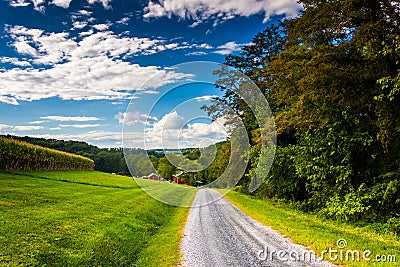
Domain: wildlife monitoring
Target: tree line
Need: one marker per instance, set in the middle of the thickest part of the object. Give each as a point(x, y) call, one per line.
point(332, 79)
point(137, 162)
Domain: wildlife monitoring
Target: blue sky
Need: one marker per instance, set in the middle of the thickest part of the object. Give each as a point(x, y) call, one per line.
point(69, 68)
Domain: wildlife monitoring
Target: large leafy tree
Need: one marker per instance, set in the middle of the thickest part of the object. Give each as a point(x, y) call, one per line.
point(326, 90)
point(252, 61)
point(165, 168)
point(332, 77)
point(332, 60)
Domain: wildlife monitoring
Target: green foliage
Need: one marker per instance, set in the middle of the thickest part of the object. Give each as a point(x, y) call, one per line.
point(351, 207)
point(334, 160)
point(165, 168)
point(387, 99)
point(385, 196)
point(219, 165)
point(15, 155)
point(332, 78)
point(140, 165)
point(283, 180)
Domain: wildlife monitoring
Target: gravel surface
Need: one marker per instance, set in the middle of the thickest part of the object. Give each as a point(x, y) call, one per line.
point(219, 234)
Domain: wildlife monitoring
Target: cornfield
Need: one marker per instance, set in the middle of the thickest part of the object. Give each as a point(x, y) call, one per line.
point(16, 156)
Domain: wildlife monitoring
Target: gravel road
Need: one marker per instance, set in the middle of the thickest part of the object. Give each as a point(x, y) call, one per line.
point(219, 234)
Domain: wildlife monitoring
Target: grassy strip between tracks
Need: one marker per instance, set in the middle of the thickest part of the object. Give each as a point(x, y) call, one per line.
point(321, 235)
point(85, 218)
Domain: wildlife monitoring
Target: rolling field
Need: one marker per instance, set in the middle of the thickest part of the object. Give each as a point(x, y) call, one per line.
point(81, 218)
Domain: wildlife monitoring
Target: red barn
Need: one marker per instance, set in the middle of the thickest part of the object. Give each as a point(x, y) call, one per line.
point(154, 177)
point(179, 181)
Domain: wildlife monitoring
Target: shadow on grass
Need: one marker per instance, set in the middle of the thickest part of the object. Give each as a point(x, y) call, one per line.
point(135, 186)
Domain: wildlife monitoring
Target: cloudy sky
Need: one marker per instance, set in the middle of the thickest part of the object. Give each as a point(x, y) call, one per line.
point(69, 68)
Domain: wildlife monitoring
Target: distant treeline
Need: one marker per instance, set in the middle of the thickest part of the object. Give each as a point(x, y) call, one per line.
point(16, 155)
point(112, 160)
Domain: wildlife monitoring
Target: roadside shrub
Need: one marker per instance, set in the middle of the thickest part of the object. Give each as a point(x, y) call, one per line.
point(351, 207)
point(385, 196)
point(283, 180)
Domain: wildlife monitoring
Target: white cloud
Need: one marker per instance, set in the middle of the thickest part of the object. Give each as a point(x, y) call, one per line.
point(118, 103)
point(39, 5)
point(172, 46)
point(55, 129)
point(87, 33)
point(123, 20)
point(195, 24)
point(15, 61)
point(84, 12)
point(196, 53)
point(219, 10)
point(87, 136)
point(8, 100)
point(19, 3)
point(37, 122)
point(170, 121)
point(5, 128)
point(101, 27)
point(131, 118)
point(87, 79)
point(199, 131)
point(41, 45)
point(89, 69)
point(28, 128)
point(61, 3)
point(79, 25)
point(205, 46)
point(65, 118)
point(9, 128)
point(23, 47)
point(81, 126)
point(105, 3)
point(81, 15)
point(228, 48)
point(51, 48)
point(204, 98)
point(172, 131)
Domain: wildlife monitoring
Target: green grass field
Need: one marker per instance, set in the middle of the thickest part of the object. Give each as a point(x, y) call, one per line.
point(319, 234)
point(81, 218)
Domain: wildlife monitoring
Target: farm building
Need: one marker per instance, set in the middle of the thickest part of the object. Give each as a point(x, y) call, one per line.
point(178, 179)
point(153, 176)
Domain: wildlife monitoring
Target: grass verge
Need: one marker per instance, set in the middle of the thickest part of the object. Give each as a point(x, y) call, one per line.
point(81, 218)
point(318, 234)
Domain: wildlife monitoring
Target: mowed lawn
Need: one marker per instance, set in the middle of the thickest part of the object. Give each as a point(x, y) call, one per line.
point(81, 218)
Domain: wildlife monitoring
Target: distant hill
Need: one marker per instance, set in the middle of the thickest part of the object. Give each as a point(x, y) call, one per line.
point(17, 155)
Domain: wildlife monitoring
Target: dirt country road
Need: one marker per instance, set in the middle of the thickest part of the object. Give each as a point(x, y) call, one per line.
point(219, 234)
